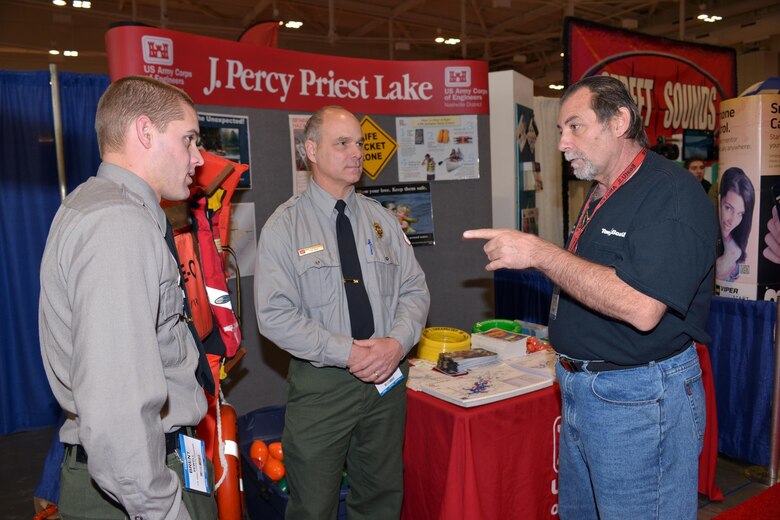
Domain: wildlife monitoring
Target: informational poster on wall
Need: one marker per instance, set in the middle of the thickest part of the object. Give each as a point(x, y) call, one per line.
point(529, 221)
point(437, 148)
point(529, 177)
point(300, 165)
point(227, 135)
point(242, 239)
point(411, 204)
point(526, 133)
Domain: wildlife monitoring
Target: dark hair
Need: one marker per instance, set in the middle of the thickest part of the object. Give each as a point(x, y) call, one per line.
point(687, 163)
point(734, 179)
point(609, 96)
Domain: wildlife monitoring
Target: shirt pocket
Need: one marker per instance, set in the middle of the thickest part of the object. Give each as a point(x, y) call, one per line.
point(319, 274)
point(171, 328)
point(610, 252)
point(383, 266)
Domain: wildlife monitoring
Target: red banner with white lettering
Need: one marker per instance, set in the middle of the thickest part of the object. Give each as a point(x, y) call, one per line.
point(677, 86)
point(226, 73)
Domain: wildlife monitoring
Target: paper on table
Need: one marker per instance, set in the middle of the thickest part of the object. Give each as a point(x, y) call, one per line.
point(542, 362)
point(482, 385)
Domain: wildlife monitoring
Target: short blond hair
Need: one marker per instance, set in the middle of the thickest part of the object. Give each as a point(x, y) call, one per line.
point(131, 97)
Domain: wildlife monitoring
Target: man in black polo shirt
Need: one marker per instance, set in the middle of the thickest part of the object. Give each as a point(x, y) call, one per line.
point(633, 290)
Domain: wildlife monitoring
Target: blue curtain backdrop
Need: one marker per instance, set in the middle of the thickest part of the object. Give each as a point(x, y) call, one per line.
point(29, 197)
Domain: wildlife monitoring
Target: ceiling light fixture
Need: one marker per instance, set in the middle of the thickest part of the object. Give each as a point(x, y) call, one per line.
point(704, 17)
point(59, 3)
point(562, 55)
point(72, 54)
point(293, 24)
point(710, 18)
point(82, 4)
point(555, 86)
point(54, 52)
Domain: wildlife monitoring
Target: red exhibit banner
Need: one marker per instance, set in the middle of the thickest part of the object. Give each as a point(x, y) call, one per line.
point(226, 73)
point(677, 86)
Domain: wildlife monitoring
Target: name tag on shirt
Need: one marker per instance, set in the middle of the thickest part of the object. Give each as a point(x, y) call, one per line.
point(385, 387)
point(193, 456)
point(311, 249)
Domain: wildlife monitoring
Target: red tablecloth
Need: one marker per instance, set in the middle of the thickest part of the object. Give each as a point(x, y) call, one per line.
point(499, 460)
point(492, 461)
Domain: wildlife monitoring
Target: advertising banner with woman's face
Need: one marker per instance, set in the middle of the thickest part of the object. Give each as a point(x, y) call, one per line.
point(748, 263)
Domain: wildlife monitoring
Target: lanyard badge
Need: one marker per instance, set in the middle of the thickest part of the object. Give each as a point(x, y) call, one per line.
point(193, 457)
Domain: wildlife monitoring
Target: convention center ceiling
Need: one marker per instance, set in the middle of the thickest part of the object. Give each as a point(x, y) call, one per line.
point(524, 35)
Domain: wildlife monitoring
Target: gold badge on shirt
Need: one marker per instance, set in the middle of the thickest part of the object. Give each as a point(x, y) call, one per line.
point(311, 249)
point(378, 229)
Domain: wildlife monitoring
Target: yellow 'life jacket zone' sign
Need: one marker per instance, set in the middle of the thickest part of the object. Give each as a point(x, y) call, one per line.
point(378, 147)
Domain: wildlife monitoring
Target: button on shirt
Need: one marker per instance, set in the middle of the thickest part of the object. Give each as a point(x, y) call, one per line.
point(299, 296)
point(118, 357)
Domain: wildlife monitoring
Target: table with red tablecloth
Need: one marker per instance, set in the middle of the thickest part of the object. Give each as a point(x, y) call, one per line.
point(500, 460)
point(492, 461)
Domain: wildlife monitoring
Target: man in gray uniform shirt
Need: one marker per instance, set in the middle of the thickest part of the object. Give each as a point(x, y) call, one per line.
point(118, 355)
point(341, 406)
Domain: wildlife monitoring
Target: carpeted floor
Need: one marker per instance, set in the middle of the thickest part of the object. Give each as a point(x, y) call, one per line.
point(764, 506)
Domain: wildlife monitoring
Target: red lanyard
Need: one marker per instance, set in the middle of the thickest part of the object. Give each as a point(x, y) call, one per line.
point(583, 222)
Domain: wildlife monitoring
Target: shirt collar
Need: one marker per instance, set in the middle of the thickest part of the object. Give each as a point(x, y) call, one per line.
point(327, 202)
point(138, 188)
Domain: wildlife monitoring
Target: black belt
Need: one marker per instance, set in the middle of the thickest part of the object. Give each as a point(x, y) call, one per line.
point(171, 443)
point(579, 365)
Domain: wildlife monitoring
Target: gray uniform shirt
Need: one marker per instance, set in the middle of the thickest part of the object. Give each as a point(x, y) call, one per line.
point(299, 291)
point(119, 359)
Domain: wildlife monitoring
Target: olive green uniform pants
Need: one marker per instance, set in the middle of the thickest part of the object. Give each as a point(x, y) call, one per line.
point(82, 498)
point(332, 418)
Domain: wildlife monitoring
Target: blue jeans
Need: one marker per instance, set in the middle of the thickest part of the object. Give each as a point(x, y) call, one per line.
point(630, 441)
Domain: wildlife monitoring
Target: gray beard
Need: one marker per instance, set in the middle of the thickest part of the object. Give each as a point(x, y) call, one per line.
point(587, 172)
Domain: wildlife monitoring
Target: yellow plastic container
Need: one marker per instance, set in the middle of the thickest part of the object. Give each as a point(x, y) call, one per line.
point(435, 340)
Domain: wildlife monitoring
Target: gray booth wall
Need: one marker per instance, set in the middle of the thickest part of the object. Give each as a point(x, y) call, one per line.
point(461, 289)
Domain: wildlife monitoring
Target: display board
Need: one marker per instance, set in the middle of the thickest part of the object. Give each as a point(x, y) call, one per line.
point(267, 86)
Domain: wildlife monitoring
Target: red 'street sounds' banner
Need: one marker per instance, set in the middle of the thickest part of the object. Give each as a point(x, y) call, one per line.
point(677, 85)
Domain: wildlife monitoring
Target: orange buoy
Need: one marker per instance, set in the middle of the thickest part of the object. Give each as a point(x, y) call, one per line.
point(230, 500)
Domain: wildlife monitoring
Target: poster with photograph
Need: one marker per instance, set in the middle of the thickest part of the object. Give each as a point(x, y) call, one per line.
point(440, 148)
point(411, 204)
point(227, 135)
point(242, 239)
point(529, 221)
point(300, 165)
point(526, 133)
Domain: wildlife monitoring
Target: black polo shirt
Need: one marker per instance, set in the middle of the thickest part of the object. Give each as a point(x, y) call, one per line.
point(658, 231)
